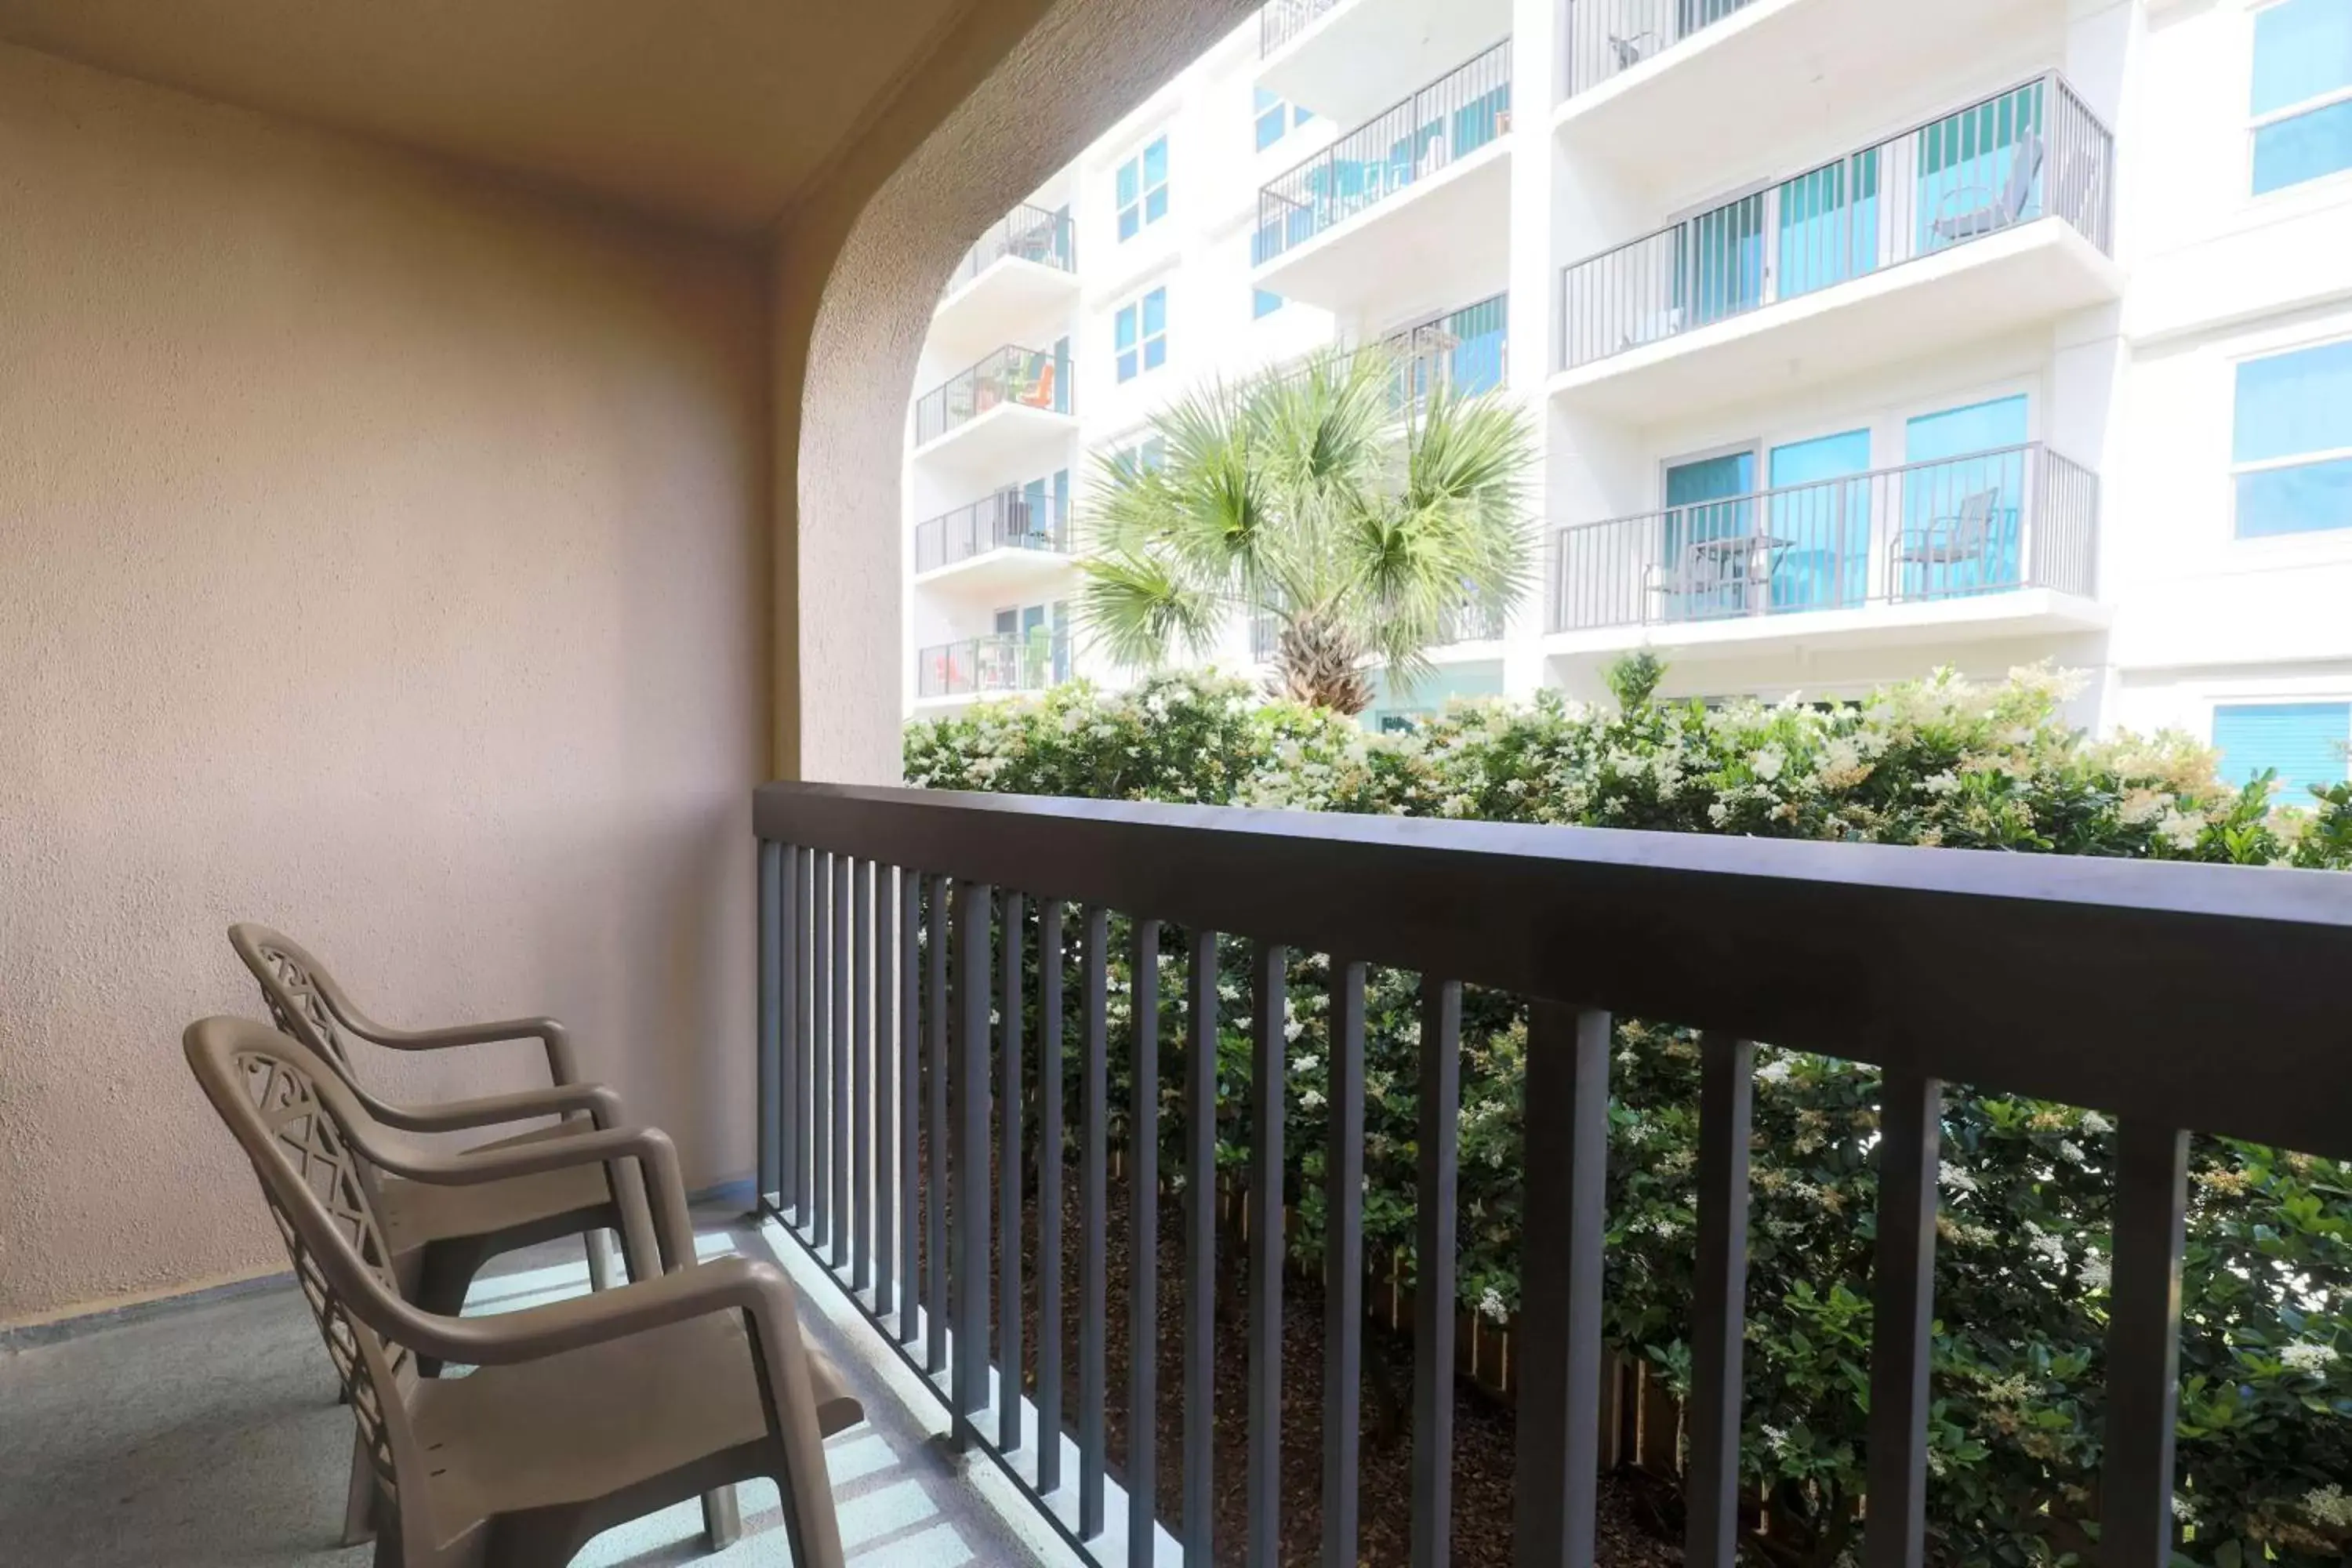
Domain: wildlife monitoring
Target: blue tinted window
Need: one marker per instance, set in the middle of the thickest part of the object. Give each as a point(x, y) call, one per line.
point(1958, 432)
point(2303, 741)
point(1273, 119)
point(1142, 188)
point(1140, 335)
point(2302, 49)
point(1123, 333)
point(1263, 303)
point(2290, 152)
point(2292, 442)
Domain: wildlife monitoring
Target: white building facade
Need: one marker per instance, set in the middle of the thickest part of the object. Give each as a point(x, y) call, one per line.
point(1863, 336)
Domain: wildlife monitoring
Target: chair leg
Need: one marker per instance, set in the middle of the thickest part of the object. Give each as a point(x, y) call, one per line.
point(359, 1501)
point(600, 1260)
point(722, 1519)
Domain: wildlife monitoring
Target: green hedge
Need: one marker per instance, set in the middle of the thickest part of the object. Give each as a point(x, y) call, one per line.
point(2266, 1436)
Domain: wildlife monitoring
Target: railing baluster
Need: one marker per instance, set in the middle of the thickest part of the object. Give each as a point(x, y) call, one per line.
point(1903, 1290)
point(1343, 1265)
point(861, 1069)
point(1267, 1255)
point(884, 1047)
point(1440, 1137)
point(1567, 1171)
point(776, 1082)
point(1094, 1220)
point(2143, 1346)
point(1201, 1250)
point(910, 1101)
point(967, 1160)
point(803, 965)
point(1009, 1179)
point(1143, 1249)
point(1718, 1311)
point(842, 936)
point(823, 1085)
point(1049, 1196)
point(935, 1191)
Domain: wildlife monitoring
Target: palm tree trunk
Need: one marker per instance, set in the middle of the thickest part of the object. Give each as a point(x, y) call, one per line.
point(1319, 662)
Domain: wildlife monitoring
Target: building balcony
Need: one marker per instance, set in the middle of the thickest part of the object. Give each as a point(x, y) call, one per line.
point(1014, 402)
point(1349, 59)
point(1006, 538)
point(1655, 86)
point(997, 666)
point(1021, 276)
point(1995, 542)
point(1409, 208)
point(1466, 349)
point(1983, 220)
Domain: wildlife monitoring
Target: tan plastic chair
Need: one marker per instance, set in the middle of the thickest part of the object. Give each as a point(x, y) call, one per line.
point(579, 1415)
point(441, 1237)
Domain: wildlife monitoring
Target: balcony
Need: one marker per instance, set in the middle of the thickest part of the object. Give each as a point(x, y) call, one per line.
point(1466, 349)
point(990, 1018)
point(1655, 86)
point(1983, 220)
point(1411, 207)
point(998, 666)
point(1008, 538)
point(1021, 276)
point(1995, 542)
point(1349, 59)
point(1015, 401)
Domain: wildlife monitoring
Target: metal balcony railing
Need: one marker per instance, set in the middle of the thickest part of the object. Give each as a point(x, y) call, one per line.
point(1468, 350)
point(2032, 153)
point(1606, 36)
point(1029, 378)
point(1007, 520)
point(1030, 233)
point(2019, 517)
point(992, 666)
point(1472, 622)
point(1449, 118)
point(905, 990)
point(1279, 21)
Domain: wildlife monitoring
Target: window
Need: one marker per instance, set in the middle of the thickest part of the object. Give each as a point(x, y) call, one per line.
point(1263, 303)
point(2303, 741)
point(2292, 455)
point(1143, 188)
point(1140, 333)
point(1274, 119)
point(2302, 101)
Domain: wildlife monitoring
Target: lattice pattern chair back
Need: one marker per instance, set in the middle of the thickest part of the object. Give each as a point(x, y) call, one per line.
point(289, 1112)
point(299, 995)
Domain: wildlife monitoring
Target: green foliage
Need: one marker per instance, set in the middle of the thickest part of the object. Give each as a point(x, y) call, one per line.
point(2022, 1267)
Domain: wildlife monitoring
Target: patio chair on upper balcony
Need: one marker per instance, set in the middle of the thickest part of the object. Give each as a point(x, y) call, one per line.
point(1696, 587)
point(578, 1416)
point(1633, 49)
point(1969, 212)
point(1941, 542)
point(441, 1237)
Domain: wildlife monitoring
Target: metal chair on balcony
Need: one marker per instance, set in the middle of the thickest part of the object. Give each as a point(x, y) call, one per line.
point(1940, 543)
point(1969, 212)
point(1701, 582)
point(579, 1417)
point(1633, 49)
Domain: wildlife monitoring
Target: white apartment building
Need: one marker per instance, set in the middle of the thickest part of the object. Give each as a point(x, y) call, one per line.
point(1863, 336)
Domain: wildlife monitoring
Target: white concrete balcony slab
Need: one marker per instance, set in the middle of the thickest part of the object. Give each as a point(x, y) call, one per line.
point(1012, 407)
point(1349, 59)
point(2014, 613)
point(1655, 86)
point(1444, 238)
point(1988, 219)
point(1012, 293)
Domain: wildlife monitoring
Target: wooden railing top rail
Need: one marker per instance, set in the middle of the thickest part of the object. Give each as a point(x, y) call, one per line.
point(2195, 996)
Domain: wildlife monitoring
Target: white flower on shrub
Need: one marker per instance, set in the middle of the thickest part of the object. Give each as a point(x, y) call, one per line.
point(2050, 1250)
point(2181, 829)
point(1942, 784)
point(1718, 814)
point(2315, 1359)
point(1312, 1099)
point(2184, 1508)
point(2329, 1506)
point(2097, 1124)
point(2070, 1151)
point(1952, 1176)
point(1777, 1072)
point(1768, 763)
point(1490, 1306)
point(1306, 1063)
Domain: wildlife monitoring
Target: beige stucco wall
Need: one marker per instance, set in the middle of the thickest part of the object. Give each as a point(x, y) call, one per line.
point(382, 555)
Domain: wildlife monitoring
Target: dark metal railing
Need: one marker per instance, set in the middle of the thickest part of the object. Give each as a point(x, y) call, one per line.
point(894, 944)
point(1030, 378)
point(1279, 21)
point(991, 666)
point(1990, 522)
point(1468, 350)
point(1006, 520)
point(1607, 36)
point(1030, 233)
point(2032, 153)
point(1449, 118)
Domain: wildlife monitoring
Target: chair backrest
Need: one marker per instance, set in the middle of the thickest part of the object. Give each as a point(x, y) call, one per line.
point(293, 1117)
point(2023, 168)
point(302, 997)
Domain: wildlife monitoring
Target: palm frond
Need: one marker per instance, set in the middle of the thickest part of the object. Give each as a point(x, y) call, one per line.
point(1138, 610)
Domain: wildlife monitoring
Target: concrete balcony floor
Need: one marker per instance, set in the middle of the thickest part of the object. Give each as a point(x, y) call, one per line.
point(208, 1434)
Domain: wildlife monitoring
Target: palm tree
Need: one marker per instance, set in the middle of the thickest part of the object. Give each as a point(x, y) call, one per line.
point(1359, 519)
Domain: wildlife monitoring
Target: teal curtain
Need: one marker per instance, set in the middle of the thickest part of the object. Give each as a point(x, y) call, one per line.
point(1956, 459)
point(1719, 262)
point(1709, 499)
point(1824, 513)
point(1828, 225)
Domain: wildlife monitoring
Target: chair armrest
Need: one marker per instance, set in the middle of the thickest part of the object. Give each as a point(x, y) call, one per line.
point(655, 1155)
point(562, 1066)
point(503, 1339)
point(602, 1104)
